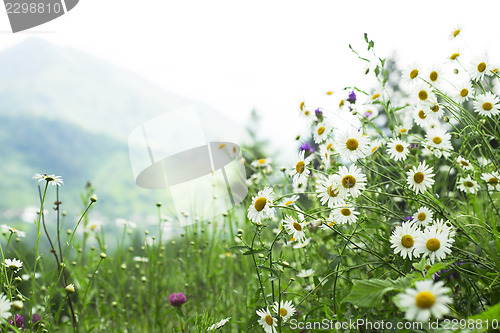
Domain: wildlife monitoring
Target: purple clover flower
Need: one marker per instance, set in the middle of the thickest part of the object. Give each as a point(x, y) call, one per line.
point(17, 321)
point(177, 299)
point(408, 218)
point(319, 114)
point(352, 97)
point(438, 276)
point(309, 148)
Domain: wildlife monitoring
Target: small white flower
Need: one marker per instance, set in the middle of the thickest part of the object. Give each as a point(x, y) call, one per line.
point(398, 149)
point(423, 94)
point(13, 264)
point(261, 205)
point(301, 173)
point(403, 239)
point(284, 309)
point(420, 178)
point(218, 325)
point(455, 32)
point(435, 76)
point(321, 132)
point(267, 322)
point(425, 300)
point(329, 191)
point(412, 74)
point(352, 144)
point(493, 180)
point(305, 273)
point(352, 181)
point(5, 305)
point(262, 162)
point(442, 226)
point(295, 228)
point(465, 164)
point(487, 105)
point(479, 67)
point(468, 185)
point(463, 91)
point(345, 214)
point(439, 142)
point(52, 179)
point(423, 216)
point(433, 244)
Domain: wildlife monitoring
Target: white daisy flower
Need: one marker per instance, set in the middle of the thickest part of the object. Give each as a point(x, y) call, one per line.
point(405, 127)
point(352, 144)
point(423, 94)
point(345, 214)
point(479, 67)
point(455, 32)
point(5, 305)
point(300, 173)
point(420, 117)
point(261, 205)
point(493, 180)
point(398, 149)
point(487, 105)
point(13, 264)
point(369, 111)
point(483, 161)
point(290, 201)
point(328, 191)
point(262, 162)
point(352, 181)
point(433, 109)
point(321, 132)
point(442, 226)
point(284, 309)
point(295, 228)
point(433, 244)
point(218, 325)
point(423, 216)
point(403, 239)
point(307, 113)
point(420, 178)
point(468, 185)
point(439, 142)
point(375, 145)
point(327, 225)
point(425, 300)
point(52, 179)
point(465, 164)
point(455, 55)
point(463, 90)
point(411, 75)
point(306, 273)
point(435, 75)
point(267, 321)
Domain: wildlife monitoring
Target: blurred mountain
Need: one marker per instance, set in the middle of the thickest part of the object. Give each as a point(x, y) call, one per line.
point(65, 112)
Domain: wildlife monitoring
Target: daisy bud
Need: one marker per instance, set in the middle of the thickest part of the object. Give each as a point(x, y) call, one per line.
point(103, 255)
point(456, 136)
point(17, 279)
point(144, 279)
point(283, 169)
point(446, 119)
point(261, 255)
point(455, 71)
point(17, 305)
point(285, 263)
point(113, 304)
point(158, 204)
point(123, 266)
point(93, 198)
point(70, 288)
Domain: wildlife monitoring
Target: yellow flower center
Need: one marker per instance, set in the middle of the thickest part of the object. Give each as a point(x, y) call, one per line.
point(413, 73)
point(422, 95)
point(421, 114)
point(425, 299)
point(352, 144)
point(260, 203)
point(481, 67)
point(297, 226)
point(487, 106)
point(454, 56)
point(262, 161)
point(269, 320)
point(407, 241)
point(433, 76)
point(493, 181)
point(222, 145)
point(374, 148)
point(321, 130)
point(421, 216)
point(345, 211)
point(333, 192)
point(329, 92)
point(374, 97)
point(437, 140)
point(300, 167)
point(456, 32)
point(399, 148)
point(302, 105)
point(434, 108)
point(341, 104)
point(418, 177)
point(283, 312)
point(348, 181)
point(468, 183)
point(433, 244)
point(464, 92)
point(464, 163)
point(329, 146)
point(403, 130)
point(307, 113)
point(288, 203)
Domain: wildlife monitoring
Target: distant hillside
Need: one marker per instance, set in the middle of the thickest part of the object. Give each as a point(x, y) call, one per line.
point(65, 112)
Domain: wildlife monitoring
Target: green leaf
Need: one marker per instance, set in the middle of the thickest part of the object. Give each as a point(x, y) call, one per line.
point(437, 267)
point(239, 247)
point(273, 272)
point(487, 317)
point(333, 264)
point(369, 293)
point(247, 253)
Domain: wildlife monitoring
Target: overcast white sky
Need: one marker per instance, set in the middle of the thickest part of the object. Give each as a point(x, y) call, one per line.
point(267, 55)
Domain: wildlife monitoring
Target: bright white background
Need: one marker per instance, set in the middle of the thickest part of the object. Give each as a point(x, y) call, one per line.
point(267, 55)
